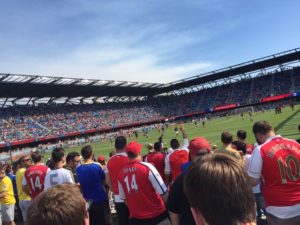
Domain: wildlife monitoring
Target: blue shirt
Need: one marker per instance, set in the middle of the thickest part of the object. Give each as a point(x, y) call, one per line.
point(13, 180)
point(185, 166)
point(90, 177)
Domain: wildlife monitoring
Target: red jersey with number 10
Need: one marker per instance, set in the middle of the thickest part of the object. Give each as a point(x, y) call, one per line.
point(141, 185)
point(281, 172)
point(35, 178)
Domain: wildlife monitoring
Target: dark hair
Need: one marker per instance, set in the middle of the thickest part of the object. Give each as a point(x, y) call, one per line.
point(58, 206)
point(87, 152)
point(227, 190)
point(241, 134)
point(8, 168)
point(58, 155)
point(240, 146)
point(36, 157)
point(299, 127)
point(120, 142)
point(262, 127)
point(174, 143)
point(226, 137)
point(71, 156)
point(50, 163)
point(131, 155)
point(157, 146)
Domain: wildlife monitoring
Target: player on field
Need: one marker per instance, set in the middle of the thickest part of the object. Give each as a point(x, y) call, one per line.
point(157, 159)
point(34, 178)
point(242, 136)
point(24, 198)
point(178, 206)
point(277, 161)
point(227, 139)
point(7, 199)
point(91, 177)
point(175, 159)
point(58, 175)
point(217, 188)
point(114, 166)
point(143, 189)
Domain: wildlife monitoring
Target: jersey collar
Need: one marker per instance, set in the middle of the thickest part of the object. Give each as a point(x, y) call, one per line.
point(272, 138)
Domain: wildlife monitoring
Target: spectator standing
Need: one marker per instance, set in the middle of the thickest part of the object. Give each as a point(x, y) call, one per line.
point(277, 161)
point(72, 161)
point(143, 189)
point(242, 136)
point(114, 166)
point(91, 178)
point(7, 199)
point(227, 139)
point(59, 175)
point(218, 190)
point(24, 198)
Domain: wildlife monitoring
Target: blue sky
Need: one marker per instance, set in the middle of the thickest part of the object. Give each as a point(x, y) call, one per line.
point(141, 40)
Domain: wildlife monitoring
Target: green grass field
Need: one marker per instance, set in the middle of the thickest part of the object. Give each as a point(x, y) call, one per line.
point(285, 124)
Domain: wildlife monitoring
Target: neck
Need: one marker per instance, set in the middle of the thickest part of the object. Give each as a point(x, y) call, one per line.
point(59, 165)
point(120, 150)
point(38, 163)
point(90, 160)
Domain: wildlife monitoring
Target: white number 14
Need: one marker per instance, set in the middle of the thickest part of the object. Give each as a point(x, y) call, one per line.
point(133, 184)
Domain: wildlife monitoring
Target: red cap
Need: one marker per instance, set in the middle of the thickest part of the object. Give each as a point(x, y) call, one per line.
point(199, 145)
point(101, 158)
point(134, 147)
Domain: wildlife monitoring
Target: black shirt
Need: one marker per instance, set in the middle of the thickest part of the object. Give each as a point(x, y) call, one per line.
point(177, 202)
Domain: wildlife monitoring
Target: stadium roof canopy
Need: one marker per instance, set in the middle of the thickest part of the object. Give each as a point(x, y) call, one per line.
point(32, 88)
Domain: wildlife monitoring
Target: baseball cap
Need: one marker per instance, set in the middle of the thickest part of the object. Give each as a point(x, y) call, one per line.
point(101, 158)
point(134, 147)
point(199, 145)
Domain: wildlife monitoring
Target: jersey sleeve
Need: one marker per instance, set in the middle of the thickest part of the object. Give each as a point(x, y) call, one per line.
point(185, 144)
point(156, 180)
point(167, 164)
point(69, 177)
point(255, 164)
point(121, 191)
point(24, 182)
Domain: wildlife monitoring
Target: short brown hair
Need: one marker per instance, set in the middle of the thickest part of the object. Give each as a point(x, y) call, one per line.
point(87, 152)
point(217, 185)
point(226, 137)
point(61, 204)
point(262, 127)
point(36, 157)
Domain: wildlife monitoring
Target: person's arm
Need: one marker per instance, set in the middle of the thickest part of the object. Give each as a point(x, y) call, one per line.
point(157, 182)
point(175, 219)
point(185, 141)
point(255, 167)
point(107, 180)
point(168, 170)
point(25, 187)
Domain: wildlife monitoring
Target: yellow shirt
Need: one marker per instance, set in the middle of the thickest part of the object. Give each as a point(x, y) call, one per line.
point(19, 176)
point(230, 151)
point(6, 186)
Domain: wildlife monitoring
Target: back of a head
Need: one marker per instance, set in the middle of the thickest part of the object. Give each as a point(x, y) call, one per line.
point(61, 205)
point(174, 143)
point(71, 156)
point(36, 157)
point(226, 137)
point(58, 155)
point(87, 152)
point(157, 146)
point(226, 198)
point(241, 134)
point(240, 146)
point(120, 142)
point(262, 127)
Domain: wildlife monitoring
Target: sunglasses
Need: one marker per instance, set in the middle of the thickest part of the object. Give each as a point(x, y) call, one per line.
point(76, 161)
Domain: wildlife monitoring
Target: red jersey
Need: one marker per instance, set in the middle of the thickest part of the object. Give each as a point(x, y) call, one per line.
point(141, 185)
point(174, 161)
point(157, 159)
point(279, 160)
point(35, 178)
point(250, 149)
point(114, 166)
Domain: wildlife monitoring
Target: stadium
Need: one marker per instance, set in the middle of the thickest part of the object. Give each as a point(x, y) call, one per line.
point(149, 112)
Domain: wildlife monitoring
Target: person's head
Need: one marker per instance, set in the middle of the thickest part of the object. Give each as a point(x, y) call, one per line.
point(120, 143)
point(174, 143)
point(87, 152)
point(36, 157)
point(8, 168)
point(219, 192)
point(61, 204)
point(73, 159)
point(58, 155)
point(101, 160)
point(150, 147)
point(157, 146)
point(2, 172)
point(240, 146)
point(226, 138)
point(241, 135)
point(199, 146)
point(134, 150)
point(111, 154)
point(25, 161)
point(262, 131)
point(15, 166)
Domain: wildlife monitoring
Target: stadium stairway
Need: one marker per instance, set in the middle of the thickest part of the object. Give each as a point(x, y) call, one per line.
point(289, 127)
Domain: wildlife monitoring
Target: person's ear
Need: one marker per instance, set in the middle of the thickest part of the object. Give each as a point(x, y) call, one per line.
point(199, 220)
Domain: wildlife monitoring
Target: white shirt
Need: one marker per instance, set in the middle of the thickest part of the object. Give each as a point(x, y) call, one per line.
point(58, 176)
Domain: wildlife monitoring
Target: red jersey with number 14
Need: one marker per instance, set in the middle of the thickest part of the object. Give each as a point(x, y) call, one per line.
point(35, 178)
point(141, 185)
point(281, 171)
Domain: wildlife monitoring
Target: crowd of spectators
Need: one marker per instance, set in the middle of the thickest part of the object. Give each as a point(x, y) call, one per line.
point(29, 122)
